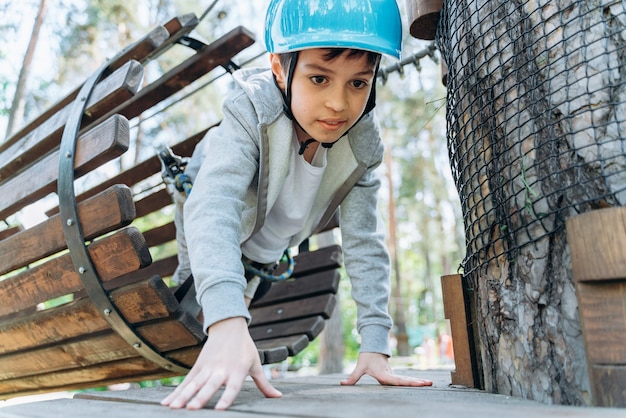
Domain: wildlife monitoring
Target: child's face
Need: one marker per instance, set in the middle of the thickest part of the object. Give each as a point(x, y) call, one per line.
point(327, 97)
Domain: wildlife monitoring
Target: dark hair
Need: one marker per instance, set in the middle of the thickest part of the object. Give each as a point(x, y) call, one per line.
point(373, 58)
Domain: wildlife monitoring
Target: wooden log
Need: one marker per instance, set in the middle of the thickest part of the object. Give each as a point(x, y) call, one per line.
point(103, 213)
point(152, 45)
point(140, 302)
point(5, 233)
point(424, 17)
point(113, 256)
point(317, 305)
point(120, 86)
point(101, 144)
point(454, 309)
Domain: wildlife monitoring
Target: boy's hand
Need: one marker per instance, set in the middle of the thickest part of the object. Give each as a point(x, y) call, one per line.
point(228, 356)
point(377, 366)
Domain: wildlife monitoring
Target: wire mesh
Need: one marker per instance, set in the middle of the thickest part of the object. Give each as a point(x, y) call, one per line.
point(536, 116)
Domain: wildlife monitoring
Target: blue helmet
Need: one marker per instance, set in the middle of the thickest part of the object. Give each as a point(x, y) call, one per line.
point(370, 25)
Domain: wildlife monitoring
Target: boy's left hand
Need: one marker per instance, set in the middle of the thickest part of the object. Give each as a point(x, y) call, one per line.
point(377, 366)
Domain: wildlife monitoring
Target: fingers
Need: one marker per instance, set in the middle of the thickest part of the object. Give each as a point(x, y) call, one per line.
point(354, 377)
point(399, 380)
point(258, 375)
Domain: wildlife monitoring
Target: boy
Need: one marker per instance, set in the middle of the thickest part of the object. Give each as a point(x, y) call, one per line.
point(297, 143)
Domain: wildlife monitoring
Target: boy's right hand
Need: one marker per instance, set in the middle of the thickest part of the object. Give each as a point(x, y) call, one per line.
point(228, 356)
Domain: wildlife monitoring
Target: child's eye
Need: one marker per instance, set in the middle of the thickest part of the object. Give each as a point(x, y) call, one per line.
point(359, 84)
point(318, 79)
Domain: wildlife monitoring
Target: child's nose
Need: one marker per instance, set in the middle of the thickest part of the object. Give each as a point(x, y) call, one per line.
point(337, 100)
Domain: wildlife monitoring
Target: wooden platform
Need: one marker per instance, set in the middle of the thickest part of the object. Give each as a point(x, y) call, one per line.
point(315, 396)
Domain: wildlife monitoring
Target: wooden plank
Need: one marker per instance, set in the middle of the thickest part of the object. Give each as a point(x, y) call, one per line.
point(311, 327)
point(106, 141)
point(602, 308)
point(99, 348)
point(597, 240)
point(163, 268)
point(113, 256)
point(294, 344)
point(140, 302)
point(608, 385)
point(142, 51)
point(5, 233)
point(318, 305)
point(301, 287)
point(213, 55)
point(140, 172)
point(311, 262)
point(120, 86)
point(454, 311)
point(271, 355)
point(160, 235)
point(103, 213)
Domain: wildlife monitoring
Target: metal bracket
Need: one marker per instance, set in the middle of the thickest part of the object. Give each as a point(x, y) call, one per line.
point(197, 45)
point(75, 239)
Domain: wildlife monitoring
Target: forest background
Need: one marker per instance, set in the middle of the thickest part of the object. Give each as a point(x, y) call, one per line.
point(48, 48)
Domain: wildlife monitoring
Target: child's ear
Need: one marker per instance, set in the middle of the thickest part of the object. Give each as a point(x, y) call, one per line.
point(277, 69)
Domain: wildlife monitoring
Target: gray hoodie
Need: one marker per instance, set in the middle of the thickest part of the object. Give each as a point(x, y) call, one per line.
point(242, 165)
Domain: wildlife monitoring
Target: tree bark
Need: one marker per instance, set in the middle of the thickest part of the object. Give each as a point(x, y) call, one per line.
point(16, 113)
point(535, 97)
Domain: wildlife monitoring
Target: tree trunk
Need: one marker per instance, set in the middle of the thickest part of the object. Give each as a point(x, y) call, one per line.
point(331, 342)
point(535, 111)
point(402, 338)
point(16, 113)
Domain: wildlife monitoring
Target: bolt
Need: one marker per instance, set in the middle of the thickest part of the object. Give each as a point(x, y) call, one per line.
point(82, 270)
point(279, 311)
point(107, 312)
point(137, 345)
point(70, 222)
point(68, 154)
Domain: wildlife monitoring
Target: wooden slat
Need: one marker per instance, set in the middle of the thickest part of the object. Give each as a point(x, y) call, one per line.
point(322, 259)
point(213, 55)
point(5, 233)
point(602, 308)
point(271, 355)
point(163, 268)
point(303, 286)
point(145, 301)
point(311, 327)
point(45, 137)
point(294, 344)
point(100, 348)
point(103, 213)
point(140, 172)
point(127, 370)
point(318, 305)
point(454, 311)
point(610, 385)
point(160, 234)
point(143, 50)
point(113, 257)
point(597, 240)
point(101, 144)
